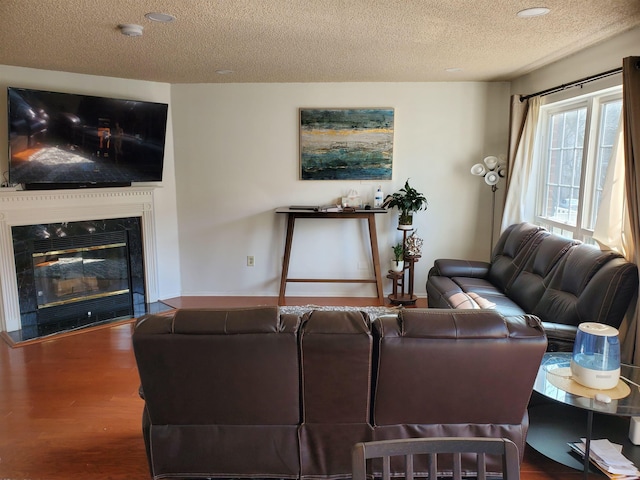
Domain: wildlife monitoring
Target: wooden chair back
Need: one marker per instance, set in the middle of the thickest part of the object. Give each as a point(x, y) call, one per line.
point(432, 447)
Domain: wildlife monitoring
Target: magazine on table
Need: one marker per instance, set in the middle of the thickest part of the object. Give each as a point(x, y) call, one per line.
point(608, 458)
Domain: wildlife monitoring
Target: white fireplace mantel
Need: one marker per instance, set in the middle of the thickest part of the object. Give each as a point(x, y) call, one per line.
point(59, 206)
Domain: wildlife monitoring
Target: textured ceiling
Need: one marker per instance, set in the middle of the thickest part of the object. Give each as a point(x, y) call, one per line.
point(305, 40)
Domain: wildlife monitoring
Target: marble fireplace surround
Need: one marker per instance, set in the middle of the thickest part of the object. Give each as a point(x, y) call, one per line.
point(56, 206)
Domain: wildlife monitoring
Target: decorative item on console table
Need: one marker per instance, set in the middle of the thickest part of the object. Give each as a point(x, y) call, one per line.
point(407, 200)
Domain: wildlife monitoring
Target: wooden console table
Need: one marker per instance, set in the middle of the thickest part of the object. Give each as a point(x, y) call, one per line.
point(369, 215)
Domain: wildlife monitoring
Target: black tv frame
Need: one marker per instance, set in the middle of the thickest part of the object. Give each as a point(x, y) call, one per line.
point(62, 140)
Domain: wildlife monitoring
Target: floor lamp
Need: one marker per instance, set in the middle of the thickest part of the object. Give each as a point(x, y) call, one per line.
point(492, 169)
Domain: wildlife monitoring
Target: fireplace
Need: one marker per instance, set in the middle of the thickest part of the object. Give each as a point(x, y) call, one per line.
point(62, 237)
point(75, 274)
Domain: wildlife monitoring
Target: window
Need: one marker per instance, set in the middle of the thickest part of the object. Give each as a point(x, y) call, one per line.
point(575, 142)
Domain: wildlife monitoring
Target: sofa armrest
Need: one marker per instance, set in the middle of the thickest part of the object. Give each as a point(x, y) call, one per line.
point(447, 267)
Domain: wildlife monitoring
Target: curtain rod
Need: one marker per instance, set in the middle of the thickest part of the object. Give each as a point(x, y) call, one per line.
point(575, 83)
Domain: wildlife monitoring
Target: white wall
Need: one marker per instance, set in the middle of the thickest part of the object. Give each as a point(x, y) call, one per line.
point(164, 195)
point(236, 150)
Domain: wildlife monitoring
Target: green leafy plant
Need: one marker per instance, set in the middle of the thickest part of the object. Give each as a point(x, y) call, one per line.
point(407, 200)
point(398, 252)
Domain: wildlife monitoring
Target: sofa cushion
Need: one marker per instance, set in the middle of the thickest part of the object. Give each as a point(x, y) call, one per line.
point(487, 295)
point(449, 325)
point(443, 292)
point(589, 285)
point(251, 378)
point(460, 268)
point(217, 385)
point(220, 321)
point(560, 336)
point(470, 356)
point(511, 251)
point(453, 371)
point(229, 322)
point(336, 350)
point(335, 355)
point(529, 284)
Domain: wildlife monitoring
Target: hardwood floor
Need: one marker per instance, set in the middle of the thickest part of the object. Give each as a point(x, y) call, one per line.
point(69, 406)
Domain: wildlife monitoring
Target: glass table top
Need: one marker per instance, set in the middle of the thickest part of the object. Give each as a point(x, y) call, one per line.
point(559, 362)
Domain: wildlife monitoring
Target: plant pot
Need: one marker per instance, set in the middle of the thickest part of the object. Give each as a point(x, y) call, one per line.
point(405, 221)
point(397, 265)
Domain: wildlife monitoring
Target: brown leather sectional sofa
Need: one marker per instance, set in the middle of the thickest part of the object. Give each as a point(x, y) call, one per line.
point(252, 393)
point(561, 281)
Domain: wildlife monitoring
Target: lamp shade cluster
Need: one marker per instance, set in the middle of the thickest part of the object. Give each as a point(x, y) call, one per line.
point(492, 169)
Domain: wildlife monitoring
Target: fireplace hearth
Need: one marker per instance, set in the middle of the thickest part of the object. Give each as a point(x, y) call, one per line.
point(71, 275)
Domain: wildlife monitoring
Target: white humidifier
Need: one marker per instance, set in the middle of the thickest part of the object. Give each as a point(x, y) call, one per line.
point(595, 362)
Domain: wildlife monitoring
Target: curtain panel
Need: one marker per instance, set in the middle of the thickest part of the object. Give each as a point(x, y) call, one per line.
point(631, 123)
point(522, 134)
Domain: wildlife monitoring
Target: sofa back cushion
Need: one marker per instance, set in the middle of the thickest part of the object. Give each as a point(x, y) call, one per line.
point(530, 282)
point(336, 358)
point(219, 367)
point(589, 285)
point(336, 350)
point(511, 251)
point(455, 367)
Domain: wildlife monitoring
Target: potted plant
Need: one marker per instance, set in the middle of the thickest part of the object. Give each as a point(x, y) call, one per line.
point(397, 264)
point(407, 200)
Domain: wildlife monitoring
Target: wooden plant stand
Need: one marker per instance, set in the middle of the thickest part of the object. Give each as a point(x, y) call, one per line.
point(402, 293)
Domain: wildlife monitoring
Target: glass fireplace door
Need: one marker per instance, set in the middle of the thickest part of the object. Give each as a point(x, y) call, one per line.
point(75, 274)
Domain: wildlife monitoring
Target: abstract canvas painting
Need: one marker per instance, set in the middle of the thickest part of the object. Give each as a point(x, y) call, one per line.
point(346, 143)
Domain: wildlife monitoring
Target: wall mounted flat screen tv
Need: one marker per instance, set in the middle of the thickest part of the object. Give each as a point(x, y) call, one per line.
point(63, 140)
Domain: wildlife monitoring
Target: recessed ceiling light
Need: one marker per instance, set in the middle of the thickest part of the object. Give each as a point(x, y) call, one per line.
point(533, 12)
point(453, 70)
point(224, 72)
point(160, 17)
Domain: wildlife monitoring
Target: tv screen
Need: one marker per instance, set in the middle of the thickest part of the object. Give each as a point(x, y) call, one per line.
point(63, 140)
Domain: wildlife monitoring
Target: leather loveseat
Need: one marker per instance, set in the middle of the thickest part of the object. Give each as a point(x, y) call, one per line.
point(252, 393)
point(561, 281)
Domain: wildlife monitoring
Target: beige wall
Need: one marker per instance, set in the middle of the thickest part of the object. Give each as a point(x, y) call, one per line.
point(236, 148)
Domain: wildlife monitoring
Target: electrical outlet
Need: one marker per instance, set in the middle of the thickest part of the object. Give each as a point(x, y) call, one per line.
point(251, 261)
